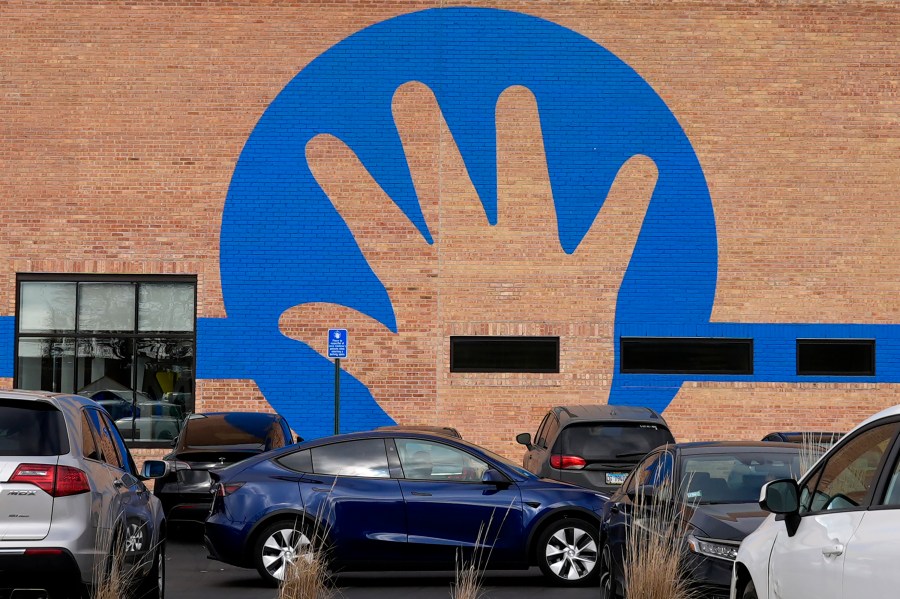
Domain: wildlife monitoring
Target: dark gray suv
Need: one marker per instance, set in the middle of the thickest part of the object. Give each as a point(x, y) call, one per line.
point(594, 446)
point(73, 505)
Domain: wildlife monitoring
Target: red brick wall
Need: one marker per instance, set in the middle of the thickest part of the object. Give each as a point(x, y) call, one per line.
point(121, 125)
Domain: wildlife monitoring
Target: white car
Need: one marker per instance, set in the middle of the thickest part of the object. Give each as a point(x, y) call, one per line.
point(835, 533)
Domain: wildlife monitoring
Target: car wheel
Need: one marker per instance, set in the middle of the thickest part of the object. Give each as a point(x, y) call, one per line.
point(749, 591)
point(277, 546)
point(607, 578)
point(567, 552)
point(153, 586)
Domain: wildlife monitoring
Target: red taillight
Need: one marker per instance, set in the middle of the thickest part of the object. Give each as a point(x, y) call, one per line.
point(43, 551)
point(223, 490)
point(56, 481)
point(70, 481)
point(567, 462)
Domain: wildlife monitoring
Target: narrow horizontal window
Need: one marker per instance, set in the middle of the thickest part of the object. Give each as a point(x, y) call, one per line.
point(685, 355)
point(837, 357)
point(504, 354)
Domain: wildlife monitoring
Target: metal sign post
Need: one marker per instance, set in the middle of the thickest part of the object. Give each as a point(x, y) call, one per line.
point(337, 349)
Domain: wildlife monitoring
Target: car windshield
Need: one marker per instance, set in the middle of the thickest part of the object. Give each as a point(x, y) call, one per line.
point(29, 428)
point(227, 429)
point(612, 441)
point(736, 477)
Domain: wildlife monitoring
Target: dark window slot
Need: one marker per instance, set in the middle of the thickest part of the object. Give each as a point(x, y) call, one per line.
point(836, 357)
point(678, 355)
point(504, 354)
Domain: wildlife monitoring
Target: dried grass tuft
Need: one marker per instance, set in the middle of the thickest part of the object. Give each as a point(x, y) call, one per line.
point(114, 575)
point(655, 565)
point(470, 573)
point(307, 576)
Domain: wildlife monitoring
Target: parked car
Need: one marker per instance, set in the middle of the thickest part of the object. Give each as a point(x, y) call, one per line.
point(211, 440)
point(71, 499)
point(438, 430)
point(715, 487)
point(400, 500)
point(594, 446)
point(820, 438)
point(833, 534)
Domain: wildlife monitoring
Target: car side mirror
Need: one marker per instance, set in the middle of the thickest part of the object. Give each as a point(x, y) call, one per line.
point(154, 469)
point(524, 439)
point(782, 497)
point(493, 477)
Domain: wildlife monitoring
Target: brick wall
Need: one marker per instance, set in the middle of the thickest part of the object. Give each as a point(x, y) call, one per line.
point(122, 124)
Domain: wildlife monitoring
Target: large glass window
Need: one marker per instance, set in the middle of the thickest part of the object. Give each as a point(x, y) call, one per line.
point(126, 342)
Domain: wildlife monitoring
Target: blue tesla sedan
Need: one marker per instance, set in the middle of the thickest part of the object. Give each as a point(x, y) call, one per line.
point(396, 500)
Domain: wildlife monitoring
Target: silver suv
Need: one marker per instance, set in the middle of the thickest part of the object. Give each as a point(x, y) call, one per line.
point(74, 513)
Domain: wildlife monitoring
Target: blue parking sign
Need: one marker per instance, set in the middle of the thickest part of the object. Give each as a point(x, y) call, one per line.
point(337, 343)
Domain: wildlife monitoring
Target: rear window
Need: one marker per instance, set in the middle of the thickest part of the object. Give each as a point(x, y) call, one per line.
point(228, 429)
point(31, 428)
point(614, 442)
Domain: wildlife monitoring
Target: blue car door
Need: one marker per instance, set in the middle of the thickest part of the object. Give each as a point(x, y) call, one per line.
point(360, 507)
point(448, 507)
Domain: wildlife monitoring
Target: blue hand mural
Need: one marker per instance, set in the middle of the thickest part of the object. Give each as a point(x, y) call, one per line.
point(283, 243)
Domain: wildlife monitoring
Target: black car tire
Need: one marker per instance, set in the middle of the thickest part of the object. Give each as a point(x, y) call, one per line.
point(607, 577)
point(749, 591)
point(280, 542)
point(567, 552)
point(153, 586)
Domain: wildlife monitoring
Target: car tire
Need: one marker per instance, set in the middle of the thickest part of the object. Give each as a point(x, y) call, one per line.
point(153, 586)
point(606, 575)
point(749, 591)
point(279, 543)
point(567, 552)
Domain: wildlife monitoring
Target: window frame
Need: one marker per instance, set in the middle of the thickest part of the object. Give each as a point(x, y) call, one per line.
point(135, 335)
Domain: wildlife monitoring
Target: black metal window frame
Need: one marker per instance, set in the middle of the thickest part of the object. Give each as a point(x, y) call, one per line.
point(869, 343)
point(499, 339)
point(686, 341)
point(133, 335)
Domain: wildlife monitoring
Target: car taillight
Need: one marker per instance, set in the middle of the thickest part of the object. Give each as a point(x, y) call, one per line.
point(567, 462)
point(223, 490)
point(43, 551)
point(56, 481)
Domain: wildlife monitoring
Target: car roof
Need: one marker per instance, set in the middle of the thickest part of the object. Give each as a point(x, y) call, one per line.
point(441, 430)
point(711, 447)
point(811, 435)
point(396, 434)
point(594, 412)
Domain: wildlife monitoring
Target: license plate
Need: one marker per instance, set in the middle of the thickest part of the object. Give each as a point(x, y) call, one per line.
point(616, 478)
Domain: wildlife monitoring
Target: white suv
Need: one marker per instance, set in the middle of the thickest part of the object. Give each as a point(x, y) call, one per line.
point(72, 505)
point(835, 533)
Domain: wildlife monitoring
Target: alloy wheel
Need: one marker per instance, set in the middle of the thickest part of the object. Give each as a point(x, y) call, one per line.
point(283, 547)
point(571, 553)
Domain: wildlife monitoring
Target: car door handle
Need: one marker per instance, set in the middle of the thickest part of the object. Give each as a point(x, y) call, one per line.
point(833, 550)
point(322, 489)
point(420, 494)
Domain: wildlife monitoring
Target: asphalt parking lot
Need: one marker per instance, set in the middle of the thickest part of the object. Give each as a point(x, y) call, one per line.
point(190, 575)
